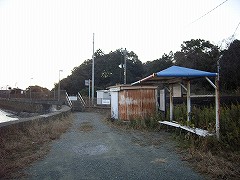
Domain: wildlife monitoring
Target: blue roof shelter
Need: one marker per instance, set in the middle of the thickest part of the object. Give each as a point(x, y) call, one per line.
point(177, 75)
point(177, 71)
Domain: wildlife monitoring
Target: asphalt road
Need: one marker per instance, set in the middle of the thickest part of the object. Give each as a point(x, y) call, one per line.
point(91, 149)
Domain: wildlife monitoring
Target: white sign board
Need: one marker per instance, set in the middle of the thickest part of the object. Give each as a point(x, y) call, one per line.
point(115, 89)
point(177, 90)
point(105, 101)
point(162, 105)
point(87, 82)
point(73, 98)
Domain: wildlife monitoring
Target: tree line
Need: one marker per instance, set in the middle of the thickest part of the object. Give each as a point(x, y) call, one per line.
point(196, 53)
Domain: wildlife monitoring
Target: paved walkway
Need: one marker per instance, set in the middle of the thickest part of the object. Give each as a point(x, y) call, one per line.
point(93, 150)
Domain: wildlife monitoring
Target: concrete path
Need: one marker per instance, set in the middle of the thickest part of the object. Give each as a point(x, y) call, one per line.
point(93, 150)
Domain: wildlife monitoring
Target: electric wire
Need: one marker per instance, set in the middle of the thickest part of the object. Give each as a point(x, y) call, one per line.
point(236, 30)
point(208, 12)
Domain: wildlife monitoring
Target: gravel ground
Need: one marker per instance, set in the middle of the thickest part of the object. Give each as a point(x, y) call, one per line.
point(93, 150)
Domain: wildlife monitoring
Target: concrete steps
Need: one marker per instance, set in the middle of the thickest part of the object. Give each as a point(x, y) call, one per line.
point(77, 106)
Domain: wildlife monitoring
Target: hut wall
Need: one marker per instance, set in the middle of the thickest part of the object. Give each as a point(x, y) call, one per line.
point(136, 103)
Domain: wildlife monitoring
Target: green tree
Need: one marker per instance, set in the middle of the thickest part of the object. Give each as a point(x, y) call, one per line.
point(108, 71)
point(159, 64)
point(230, 66)
point(198, 54)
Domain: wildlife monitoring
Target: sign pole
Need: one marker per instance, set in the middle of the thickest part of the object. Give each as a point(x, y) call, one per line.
point(125, 66)
point(93, 72)
point(89, 92)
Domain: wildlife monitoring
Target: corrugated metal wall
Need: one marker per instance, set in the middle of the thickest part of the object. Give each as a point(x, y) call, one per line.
point(136, 103)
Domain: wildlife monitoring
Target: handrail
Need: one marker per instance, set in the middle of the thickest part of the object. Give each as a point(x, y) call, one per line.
point(68, 100)
point(81, 99)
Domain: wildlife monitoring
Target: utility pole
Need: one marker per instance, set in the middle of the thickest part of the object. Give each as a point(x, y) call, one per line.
point(93, 72)
point(89, 92)
point(125, 66)
point(218, 66)
point(59, 88)
point(30, 89)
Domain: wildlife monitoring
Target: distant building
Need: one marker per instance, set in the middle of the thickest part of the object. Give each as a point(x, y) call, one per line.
point(12, 93)
point(103, 97)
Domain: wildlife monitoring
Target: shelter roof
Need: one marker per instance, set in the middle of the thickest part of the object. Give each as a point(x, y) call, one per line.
point(174, 74)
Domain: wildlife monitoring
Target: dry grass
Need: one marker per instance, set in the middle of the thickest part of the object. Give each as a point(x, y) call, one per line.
point(20, 145)
point(159, 160)
point(209, 157)
point(220, 166)
point(85, 127)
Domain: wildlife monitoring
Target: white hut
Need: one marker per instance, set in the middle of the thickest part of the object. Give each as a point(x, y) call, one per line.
point(103, 97)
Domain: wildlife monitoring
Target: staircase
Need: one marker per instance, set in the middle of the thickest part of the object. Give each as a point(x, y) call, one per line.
point(76, 102)
point(77, 106)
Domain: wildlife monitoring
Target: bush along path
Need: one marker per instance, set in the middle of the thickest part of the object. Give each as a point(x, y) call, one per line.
point(91, 149)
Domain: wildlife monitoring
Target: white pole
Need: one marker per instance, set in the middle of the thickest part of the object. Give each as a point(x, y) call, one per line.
point(217, 102)
point(93, 72)
point(59, 86)
point(89, 91)
point(188, 101)
point(125, 66)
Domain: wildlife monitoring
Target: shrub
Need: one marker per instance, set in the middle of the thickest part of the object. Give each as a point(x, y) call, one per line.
point(230, 126)
point(204, 118)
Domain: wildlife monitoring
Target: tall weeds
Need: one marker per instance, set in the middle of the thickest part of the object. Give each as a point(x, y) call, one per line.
point(217, 159)
point(204, 117)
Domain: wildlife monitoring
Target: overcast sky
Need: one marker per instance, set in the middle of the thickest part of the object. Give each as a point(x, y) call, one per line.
point(40, 37)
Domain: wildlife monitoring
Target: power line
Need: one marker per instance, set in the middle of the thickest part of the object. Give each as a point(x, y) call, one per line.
point(209, 12)
point(231, 39)
point(236, 29)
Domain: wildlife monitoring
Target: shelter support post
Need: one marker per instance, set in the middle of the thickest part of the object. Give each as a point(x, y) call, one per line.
point(217, 99)
point(188, 101)
point(183, 86)
point(171, 102)
point(217, 104)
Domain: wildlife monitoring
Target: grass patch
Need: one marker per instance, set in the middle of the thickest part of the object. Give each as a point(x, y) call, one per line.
point(149, 124)
point(23, 143)
point(216, 159)
point(85, 127)
point(204, 118)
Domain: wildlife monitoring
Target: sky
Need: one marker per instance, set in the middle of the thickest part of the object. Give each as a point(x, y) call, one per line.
point(40, 37)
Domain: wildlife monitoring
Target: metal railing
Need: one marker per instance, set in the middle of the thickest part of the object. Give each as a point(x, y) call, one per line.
point(81, 99)
point(69, 102)
point(32, 95)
